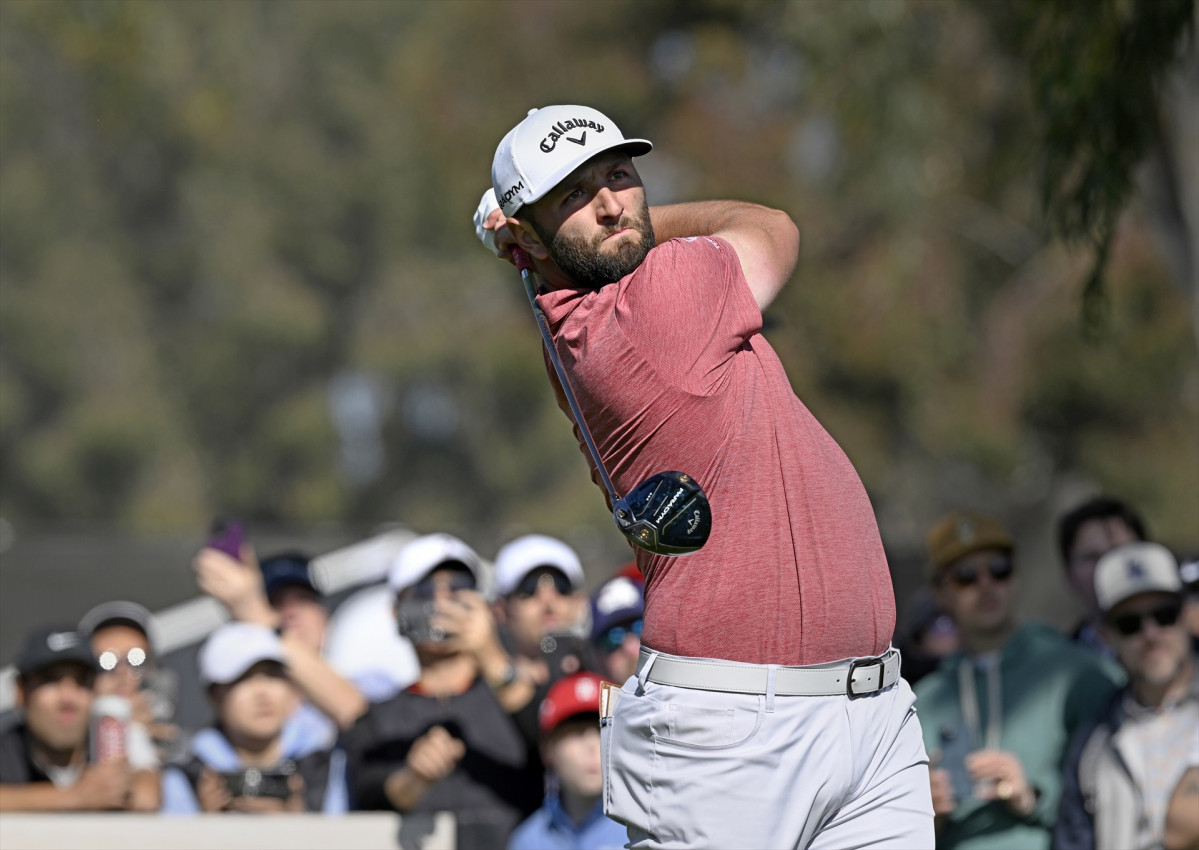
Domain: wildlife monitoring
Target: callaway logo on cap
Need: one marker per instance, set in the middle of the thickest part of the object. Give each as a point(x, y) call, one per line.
point(549, 144)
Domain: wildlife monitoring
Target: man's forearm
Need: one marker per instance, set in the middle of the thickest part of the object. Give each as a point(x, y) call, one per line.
point(704, 218)
point(323, 686)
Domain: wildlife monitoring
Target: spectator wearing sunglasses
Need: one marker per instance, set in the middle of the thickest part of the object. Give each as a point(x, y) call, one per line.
point(445, 743)
point(541, 608)
point(1124, 769)
point(617, 609)
point(121, 637)
point(997, 715)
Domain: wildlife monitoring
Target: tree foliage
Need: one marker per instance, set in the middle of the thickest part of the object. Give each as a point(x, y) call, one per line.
point(237, 271)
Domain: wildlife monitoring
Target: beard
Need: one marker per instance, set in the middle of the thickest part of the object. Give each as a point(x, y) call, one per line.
point(584, 261)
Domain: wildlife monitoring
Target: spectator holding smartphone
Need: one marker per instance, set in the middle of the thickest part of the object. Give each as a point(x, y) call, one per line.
point(997, 715)
point(45, 763)
point(541, 608)
point(289, 609)
point(446, 743)
point(252, 760)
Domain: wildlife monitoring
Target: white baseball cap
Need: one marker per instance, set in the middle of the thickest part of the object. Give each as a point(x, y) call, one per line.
point(521, 556)
point(1135, 568)
point(234, 648)
point(546, 146)
point(425, 554)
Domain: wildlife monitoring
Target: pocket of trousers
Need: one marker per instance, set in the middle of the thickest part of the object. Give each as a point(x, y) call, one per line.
point(624, 778)
point(701, 728)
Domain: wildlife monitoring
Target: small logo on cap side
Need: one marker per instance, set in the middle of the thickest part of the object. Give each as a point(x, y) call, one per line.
point(58, 641)
point(1136, 569)
point(619, 593)
point(585, 689)
point(510, 193)
point(966, 531)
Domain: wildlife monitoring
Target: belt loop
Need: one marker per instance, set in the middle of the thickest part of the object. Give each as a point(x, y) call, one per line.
point(643, 673)
point(771, 672)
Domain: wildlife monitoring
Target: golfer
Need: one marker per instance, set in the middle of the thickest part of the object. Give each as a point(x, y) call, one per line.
point(767, 709)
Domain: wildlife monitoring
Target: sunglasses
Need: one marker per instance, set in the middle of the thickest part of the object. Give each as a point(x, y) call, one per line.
point(613, 639)
point(1131, 623)
point(110, 660)
point(964, 575)
point(530, 584)
point(458, 580)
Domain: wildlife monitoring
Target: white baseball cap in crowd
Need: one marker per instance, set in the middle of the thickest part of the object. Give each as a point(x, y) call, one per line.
point(1135, 568)
point(546, 146)
point(234, 648)
point(426, 553)
point(519, 557)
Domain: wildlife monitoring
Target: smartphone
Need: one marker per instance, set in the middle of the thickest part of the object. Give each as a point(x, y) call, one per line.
point(258, 783)
point(412, 620)
point(564, 653)
point(226, 535)
point(955, 745)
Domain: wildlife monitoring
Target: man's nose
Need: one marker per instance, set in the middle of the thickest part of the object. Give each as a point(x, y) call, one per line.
point(71, 688)
point(608, 205)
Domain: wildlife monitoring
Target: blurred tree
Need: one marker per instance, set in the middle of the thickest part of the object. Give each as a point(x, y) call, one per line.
point(237, 274)
point(1097, 72)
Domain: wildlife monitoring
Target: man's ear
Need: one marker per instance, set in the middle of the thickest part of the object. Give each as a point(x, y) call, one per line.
point(528, 239)
point(500, 609)
point(20, 693)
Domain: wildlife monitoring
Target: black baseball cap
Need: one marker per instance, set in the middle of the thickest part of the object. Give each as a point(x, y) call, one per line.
point(286, 569)
point(51, 645)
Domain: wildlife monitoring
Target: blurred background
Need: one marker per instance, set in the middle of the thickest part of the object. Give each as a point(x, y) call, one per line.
point(238, 274)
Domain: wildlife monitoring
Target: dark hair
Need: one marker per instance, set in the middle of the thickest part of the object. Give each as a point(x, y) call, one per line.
point(1098, 507)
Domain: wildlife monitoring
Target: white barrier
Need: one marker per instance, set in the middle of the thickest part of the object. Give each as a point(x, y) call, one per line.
point(118, 831)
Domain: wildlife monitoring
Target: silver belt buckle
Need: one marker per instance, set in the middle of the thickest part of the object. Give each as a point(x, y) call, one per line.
point(857, 664)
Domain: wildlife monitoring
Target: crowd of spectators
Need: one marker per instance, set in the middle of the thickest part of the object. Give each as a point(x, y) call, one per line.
point(472, 688)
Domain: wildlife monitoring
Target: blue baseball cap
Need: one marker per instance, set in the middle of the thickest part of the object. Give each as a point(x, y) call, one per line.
point(616, 601)
point(287, 569)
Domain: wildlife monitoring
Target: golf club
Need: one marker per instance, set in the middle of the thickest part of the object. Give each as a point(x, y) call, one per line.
point(667, 513)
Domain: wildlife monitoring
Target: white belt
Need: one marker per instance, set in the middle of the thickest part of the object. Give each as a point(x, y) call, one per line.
point(853, 678)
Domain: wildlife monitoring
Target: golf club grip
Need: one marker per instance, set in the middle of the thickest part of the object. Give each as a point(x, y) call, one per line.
point(522, 259)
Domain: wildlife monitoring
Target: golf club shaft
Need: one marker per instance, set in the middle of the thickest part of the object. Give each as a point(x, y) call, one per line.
point(525, 264)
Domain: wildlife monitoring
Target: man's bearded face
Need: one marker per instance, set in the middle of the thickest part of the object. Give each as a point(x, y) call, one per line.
point(588, 262)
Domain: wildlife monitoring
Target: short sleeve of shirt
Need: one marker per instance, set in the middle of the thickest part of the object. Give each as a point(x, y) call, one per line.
point(687, 309)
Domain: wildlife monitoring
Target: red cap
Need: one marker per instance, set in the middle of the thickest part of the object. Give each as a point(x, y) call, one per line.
point(578, 693)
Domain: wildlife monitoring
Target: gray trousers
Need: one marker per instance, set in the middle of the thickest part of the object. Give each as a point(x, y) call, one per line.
point(686, 768)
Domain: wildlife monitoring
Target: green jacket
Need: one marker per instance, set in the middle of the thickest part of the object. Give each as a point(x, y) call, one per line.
point(1045, 687)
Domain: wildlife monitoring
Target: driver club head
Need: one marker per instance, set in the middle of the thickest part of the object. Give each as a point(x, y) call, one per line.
point(667, 514)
